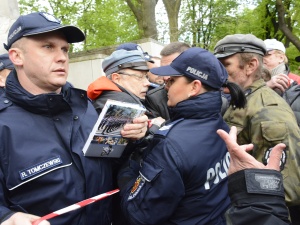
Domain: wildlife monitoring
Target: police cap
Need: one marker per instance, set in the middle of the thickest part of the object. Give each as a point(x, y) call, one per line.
point(121, 59)
point(39, 23)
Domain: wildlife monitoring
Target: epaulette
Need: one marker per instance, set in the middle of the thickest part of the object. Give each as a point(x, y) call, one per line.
point(4, 103)
point(166, 129)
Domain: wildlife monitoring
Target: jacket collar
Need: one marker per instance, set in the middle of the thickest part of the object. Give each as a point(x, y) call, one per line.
point(46, 104)
point(202, 106)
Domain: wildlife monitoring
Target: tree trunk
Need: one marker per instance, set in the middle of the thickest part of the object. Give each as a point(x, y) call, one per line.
point(144, 12)
point(172, 8)
point(283, 26)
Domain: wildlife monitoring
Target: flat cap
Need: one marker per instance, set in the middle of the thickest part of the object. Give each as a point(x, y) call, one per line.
point(122, 59)
point(5, 62)
point(133, 46)
point(239, 43)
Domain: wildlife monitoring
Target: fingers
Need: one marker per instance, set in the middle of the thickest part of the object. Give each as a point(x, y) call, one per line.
point(275, 156)
point(23, 219)
point(233, 133)
point(140, 119)
point(281, 81)
point(230, 139)
point(137, 129)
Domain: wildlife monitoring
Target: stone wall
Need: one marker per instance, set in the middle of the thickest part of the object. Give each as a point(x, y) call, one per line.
point(9, 12)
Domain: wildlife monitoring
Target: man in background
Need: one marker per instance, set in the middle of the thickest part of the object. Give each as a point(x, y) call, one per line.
point(267, 119)
point(5, 67)
point(276, 62)
point(155, 81)
point(156, 99)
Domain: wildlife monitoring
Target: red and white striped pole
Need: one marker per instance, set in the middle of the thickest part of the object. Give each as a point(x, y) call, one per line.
point(75, 206)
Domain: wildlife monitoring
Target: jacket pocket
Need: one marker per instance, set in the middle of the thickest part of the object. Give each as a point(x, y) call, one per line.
point(274, 131)
point(147, 175)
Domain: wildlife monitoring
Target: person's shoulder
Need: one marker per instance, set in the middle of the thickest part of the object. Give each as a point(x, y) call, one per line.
point(4, 102)
point(166, 129)
point(156, 90)
point(115, 95)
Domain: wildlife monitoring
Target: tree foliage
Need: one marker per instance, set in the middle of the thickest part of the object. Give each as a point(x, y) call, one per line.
point(199, 22)
point(104, 22)
point(202, 17)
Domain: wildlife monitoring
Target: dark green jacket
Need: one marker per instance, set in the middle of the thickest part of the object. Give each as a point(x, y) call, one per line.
point(266, 121)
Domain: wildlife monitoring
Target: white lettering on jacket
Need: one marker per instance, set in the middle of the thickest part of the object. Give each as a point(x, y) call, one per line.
point(218, 172)
point(40, 167)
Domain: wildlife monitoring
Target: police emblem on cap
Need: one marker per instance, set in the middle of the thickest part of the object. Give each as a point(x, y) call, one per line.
point(282, 160)
point(50, 17)
point(16, 31)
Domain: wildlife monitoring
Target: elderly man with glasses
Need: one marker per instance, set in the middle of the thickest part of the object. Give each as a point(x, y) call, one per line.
point(126, 80)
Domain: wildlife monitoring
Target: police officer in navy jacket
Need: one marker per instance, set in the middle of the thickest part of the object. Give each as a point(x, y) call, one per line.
point(44, 124)
point(182, 178)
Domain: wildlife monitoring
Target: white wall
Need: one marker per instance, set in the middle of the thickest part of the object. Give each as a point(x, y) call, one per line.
point(84, 70)
point(9, 12)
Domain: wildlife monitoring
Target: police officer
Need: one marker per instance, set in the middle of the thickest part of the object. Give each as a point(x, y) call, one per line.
point(5, 67)
point(267, 119)
point(183, 176)
point(45, 123)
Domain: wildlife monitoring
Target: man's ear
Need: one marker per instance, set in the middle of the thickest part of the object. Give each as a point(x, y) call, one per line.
point(16, 56)
point(252, 66)
point(115, 77)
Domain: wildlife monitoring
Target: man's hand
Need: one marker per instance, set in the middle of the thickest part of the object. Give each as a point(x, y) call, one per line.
point(240, 159)
point(137, 129)
point(23, 219)
point(279, 82)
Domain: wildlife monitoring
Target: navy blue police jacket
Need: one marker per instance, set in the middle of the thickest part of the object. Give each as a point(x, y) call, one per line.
point(183, 178)
point(42, 167)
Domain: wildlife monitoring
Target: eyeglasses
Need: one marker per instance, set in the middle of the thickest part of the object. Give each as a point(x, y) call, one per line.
point(140, 77)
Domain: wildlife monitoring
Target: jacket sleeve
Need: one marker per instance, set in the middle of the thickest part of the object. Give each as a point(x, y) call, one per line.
point(5, 213)
point(257, 197)
point(152, 196)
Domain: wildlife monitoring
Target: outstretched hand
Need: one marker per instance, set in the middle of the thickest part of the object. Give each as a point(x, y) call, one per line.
point(240, 159)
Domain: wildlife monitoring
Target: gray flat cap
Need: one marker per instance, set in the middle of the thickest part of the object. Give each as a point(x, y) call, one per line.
point(239, 43)
point(122, 59)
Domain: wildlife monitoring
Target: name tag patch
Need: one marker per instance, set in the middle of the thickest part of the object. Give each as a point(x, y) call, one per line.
point(38, 168)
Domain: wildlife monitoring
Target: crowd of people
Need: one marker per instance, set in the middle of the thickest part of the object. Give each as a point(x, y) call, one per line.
point(218, 144)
